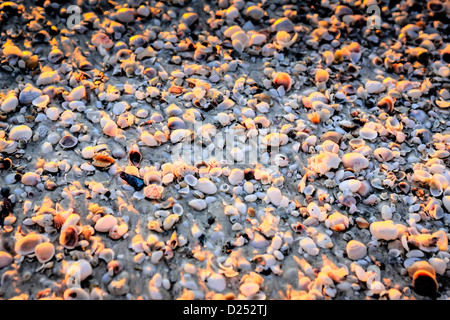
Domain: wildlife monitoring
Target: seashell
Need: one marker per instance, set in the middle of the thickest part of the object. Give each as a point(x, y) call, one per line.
point(55, 56)
point(179, 135)
point(373, 86)
point(45, 252)
point(170, 221)
point(283, 24)
point(282, 79)
point(274, 196)
point(314, 96)
point(27, 244)
point(386, 104)
point(356, 250)
point(58, 221)
point(192, 180)
point(20, 132)
point(355, 160)
point(321, 76)
point(383, 154)
point(198, 204)
point(48, 77)
point(435, 6)
point(384, 230)
point(52, 113)
point(118, 231)
point(368, 133)
point(148, 139)
point(153, 177)
point(352, 185)
point(275, 139)
point(102, 161)
point(189, 18)
point(236, 176)
point(255, 12)
point(153, 191)
point(77, 94)
point(68, 141)
point(125, 15)
point(284, 40)
point(69, 237)
point(30, 179)
point(135, 157)
point(41, 101)
point(5, 259)
point(423, 278)
point(75, 294)
point(9, 104)
point(175, 123)
point(28, 94)
point(435, 188)
point(110, 128)
point(105, 223)
point(216, 282)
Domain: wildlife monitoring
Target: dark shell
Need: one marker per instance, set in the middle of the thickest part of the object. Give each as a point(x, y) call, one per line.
point(135, 157)
point(425, 284)
point(68, 141)
point(136, 182)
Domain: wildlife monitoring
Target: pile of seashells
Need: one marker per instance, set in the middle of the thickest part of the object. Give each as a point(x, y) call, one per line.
point(347, 195)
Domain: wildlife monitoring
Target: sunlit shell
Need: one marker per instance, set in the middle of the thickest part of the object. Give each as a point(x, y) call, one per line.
point(48, 77)
point(41, 101)
point(105, 223)
point(5, 259)
point(355, 160)
point(282, 79)
point(383, 154)
point(27, 244)
point(20, 132)
point(153, 177)
point(69, 237)
point(102, 161)
point(30, 179)
point(45, 252)
point(153, 191)
point(386, 104)
point(9, 104)
point(321, 76)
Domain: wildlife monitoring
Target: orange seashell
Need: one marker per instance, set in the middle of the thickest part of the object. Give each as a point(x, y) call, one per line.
point(386, 104)
point(58, 221)
point(102, 161)
point(283, 79)
point(176, 89)
point(314, 117)
point(425, 284)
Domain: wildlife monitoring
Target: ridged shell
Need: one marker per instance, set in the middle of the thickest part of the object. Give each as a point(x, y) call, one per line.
point(21, 132)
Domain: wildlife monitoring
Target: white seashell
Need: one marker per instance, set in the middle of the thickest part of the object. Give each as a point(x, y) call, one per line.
point(216, 282)
point(308, 245)
point(374, 86)
point(236, 175)
point(352, 185)
point(68, 117)
point(79, 270)
point(148, 139)
point(255, 12)
point(30, 179)
point(20, 132)
point(178, 135)
point(323, 240)
point(107, 255)
point(383, 154)
point(41, 101)
point(198, 204)
point(355, 160)
point(274, 196)
point(45, 252)
point(384, 230)
point(77, 94)
point(356, 250)
point(170, 221)
point(105, 223)
point(191, 180)
point(5, 259)
point(337, 221)
point(10, 103)
point(27, 244)
point(205, 186)
point(52, 113)
point(48, 77)
point(315, 212)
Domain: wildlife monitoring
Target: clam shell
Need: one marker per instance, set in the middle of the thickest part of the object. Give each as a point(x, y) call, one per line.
point(45, 252)
point(105, 223)
point(205, 186)
point(5, 259)
point(28, 94)
point(9, 104)
point(27, 244)
point(68, 141)
point(48, 77)
point(21, 132)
